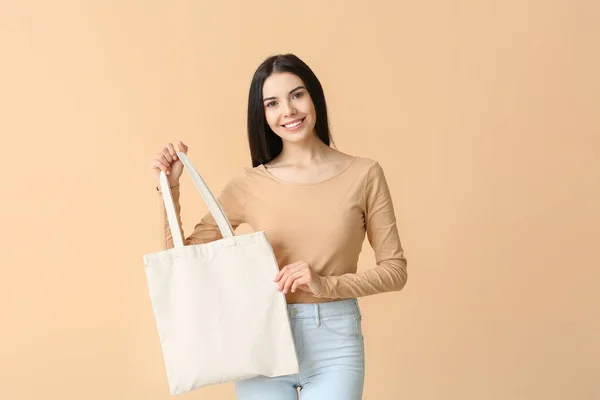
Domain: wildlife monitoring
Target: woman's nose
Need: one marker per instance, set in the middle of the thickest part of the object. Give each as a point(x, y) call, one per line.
point(289, 109)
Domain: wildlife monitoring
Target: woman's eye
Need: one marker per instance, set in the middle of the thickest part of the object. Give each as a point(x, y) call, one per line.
point(297, 95)
point(271, 104)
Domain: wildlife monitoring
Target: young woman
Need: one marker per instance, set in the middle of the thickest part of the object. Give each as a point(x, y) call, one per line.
point(315, 204)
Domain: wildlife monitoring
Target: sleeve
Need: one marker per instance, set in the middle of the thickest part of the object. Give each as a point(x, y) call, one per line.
point(390, 273)
point(233, 202)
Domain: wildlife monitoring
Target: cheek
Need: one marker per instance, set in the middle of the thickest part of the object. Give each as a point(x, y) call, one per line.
point(271, 117)
point(309, 107)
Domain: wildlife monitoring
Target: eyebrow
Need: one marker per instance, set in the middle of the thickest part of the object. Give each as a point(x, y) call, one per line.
point(291, 91)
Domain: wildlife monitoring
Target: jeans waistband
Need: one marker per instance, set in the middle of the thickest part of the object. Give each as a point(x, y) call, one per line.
point(326, 309)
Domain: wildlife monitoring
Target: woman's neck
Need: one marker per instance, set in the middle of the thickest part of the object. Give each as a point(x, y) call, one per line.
point(304, 153)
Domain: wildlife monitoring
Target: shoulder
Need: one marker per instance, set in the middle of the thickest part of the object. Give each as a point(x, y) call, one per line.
point(238, 181)
point(373, 177)
point(248, 176)
point(251, 173)
point(368, 168)
point(366, 162)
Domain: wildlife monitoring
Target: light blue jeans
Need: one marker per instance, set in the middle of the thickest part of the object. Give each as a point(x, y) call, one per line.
point(330, 349)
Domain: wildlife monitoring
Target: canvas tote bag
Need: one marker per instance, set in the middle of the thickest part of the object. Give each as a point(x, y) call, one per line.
point(217, 310)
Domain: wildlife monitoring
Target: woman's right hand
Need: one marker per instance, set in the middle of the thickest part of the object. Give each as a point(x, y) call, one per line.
point(166, 160)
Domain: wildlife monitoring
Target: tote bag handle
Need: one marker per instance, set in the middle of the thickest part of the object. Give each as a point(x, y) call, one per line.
point(213, 206)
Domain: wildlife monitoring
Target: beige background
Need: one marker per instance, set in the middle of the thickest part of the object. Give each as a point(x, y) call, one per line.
point(484, 115)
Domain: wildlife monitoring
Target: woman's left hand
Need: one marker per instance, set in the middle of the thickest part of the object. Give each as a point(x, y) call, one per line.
point(298, 275)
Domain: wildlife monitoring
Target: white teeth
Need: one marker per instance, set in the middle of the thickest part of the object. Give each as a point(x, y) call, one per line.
point(293, 125)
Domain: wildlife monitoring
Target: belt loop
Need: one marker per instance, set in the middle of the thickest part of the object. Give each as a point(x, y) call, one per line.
point(317, 315)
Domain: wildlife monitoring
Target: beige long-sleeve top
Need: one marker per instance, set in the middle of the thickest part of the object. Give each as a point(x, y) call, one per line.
point(321, 223)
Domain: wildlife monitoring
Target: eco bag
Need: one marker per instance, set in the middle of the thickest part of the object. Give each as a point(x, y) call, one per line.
point(217, 310)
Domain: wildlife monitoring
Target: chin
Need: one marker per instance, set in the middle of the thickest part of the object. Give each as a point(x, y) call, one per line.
point(298, 136)
point(294, 138)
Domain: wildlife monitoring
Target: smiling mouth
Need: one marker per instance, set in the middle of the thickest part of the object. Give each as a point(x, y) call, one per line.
point(294, 125)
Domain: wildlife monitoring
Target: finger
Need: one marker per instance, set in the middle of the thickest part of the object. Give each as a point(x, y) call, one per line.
point(160, 157)
point(284, 272)
point(163, 158)
point(160, 165)
point(285, 269)
point(167, 153)
point(182, 147)
point(280, 274)
point(172, 151)
point(284, 279)
point(290, 280)
point(299, 282)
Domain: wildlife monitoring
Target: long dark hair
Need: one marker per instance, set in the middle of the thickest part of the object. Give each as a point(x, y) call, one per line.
point(265, 145)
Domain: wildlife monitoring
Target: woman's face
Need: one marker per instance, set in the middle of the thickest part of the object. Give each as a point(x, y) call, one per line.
point(289, 110)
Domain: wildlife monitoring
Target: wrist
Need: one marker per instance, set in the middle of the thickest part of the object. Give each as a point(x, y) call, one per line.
point(171, 186)
point(320, 286)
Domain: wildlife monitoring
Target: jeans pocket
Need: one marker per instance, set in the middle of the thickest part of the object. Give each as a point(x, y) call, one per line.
point(344, 326)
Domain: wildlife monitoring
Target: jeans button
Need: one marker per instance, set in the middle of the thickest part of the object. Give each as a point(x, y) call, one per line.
point(294, 312)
